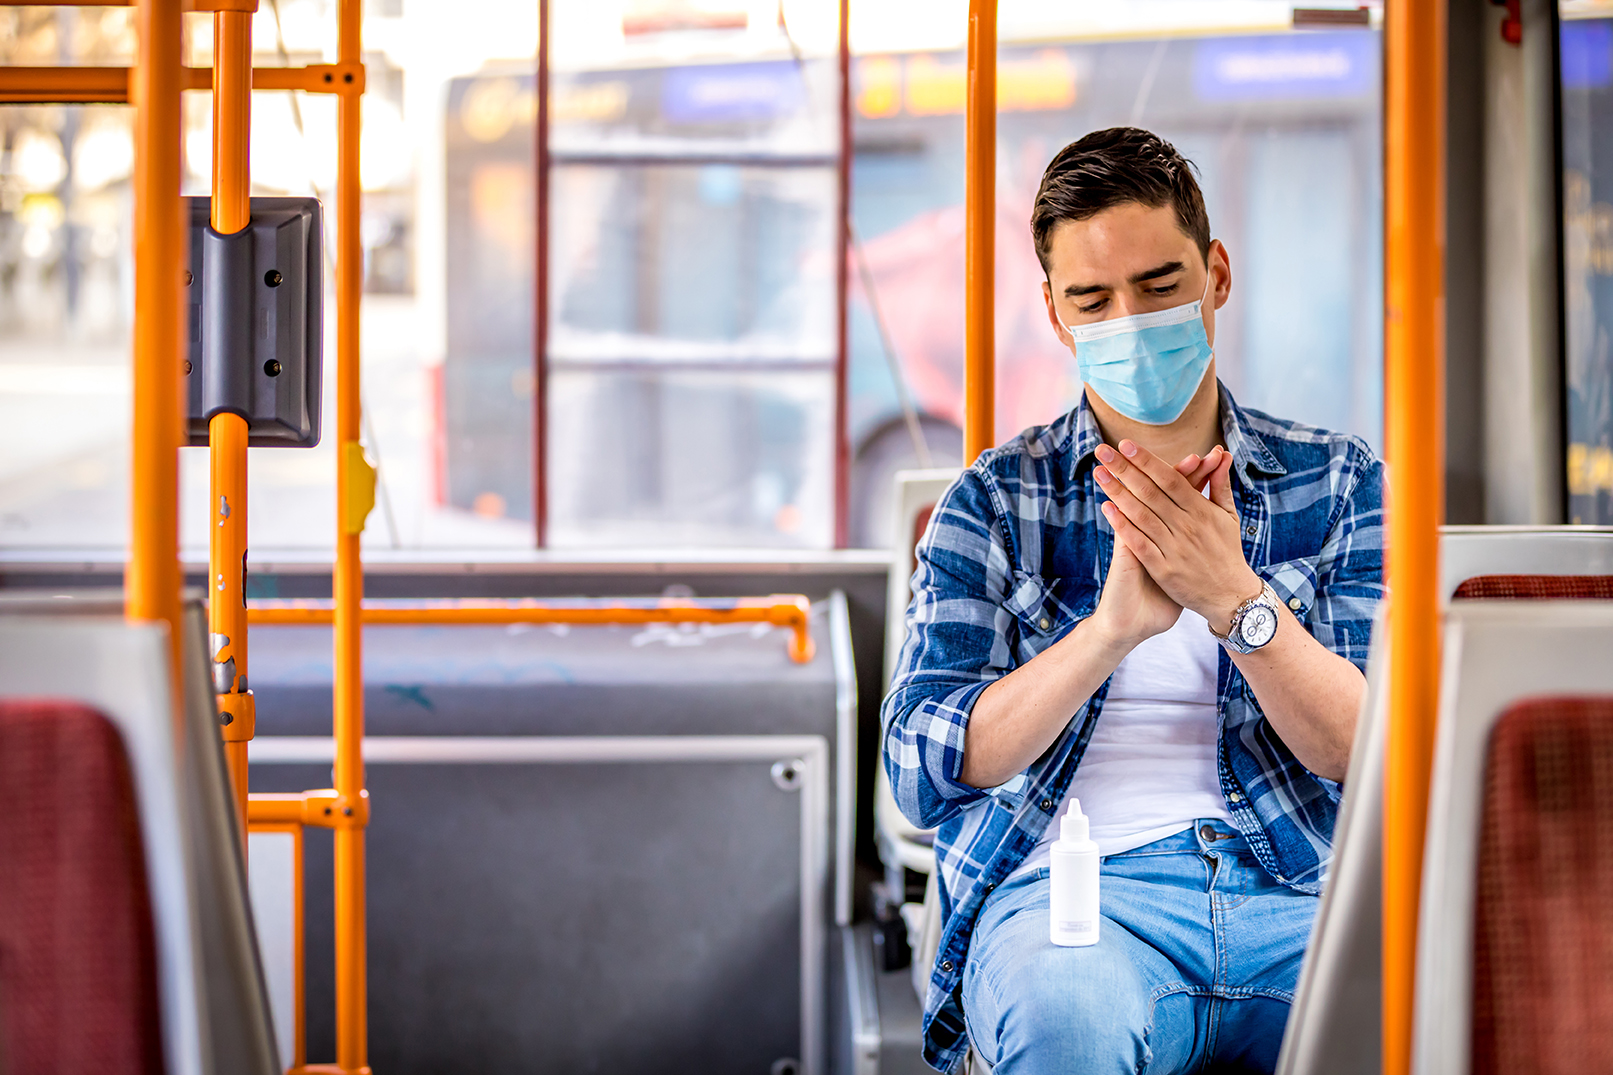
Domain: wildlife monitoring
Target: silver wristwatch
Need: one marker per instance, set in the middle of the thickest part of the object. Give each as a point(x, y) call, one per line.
point(1253, 624)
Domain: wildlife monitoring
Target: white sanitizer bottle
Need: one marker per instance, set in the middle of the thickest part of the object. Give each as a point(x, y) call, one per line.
point(1074, 882)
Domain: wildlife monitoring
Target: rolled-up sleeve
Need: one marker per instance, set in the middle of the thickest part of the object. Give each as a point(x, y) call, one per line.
point(956, 646)
point(1349, 573)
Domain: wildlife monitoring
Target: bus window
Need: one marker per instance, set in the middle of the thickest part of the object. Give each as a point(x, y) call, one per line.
point(1285, 128)
point(690, 350)
point(66, 291)
point(1587, 147)
point(691, 346)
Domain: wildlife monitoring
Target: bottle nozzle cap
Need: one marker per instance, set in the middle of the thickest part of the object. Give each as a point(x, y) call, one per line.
point(1075, 825)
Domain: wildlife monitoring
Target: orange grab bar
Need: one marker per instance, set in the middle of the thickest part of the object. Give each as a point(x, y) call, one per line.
point(980, 217)
point(111, 85)
point(153, 579)
point(347, 577)
point(782, 610)
point(1414, 349)
point(248, 6)
point(227, 433)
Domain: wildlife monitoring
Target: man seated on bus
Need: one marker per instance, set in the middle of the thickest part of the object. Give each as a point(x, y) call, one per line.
point(1160, 605)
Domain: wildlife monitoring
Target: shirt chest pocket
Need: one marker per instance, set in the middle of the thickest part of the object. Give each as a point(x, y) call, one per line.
point(1044, 610)
point(1294, 582)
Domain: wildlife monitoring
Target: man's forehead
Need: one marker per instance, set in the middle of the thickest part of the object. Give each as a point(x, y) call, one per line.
point(1118, 243)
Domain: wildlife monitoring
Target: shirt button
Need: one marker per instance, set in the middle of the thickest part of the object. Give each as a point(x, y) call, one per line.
point(1251, 530)
point(946, 965)
point(1047, 804)
point(1044, 623)
point(1235, 797)
point(1295, 603)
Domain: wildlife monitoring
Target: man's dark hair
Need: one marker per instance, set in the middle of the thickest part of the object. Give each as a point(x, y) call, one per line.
point(1112, 167)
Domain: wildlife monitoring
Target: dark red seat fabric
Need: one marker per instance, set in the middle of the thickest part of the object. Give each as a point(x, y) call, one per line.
point(1536, 587)
point(78, 968)
point(1543, 921)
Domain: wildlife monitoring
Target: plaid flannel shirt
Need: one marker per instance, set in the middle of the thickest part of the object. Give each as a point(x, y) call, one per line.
point(1015, 555)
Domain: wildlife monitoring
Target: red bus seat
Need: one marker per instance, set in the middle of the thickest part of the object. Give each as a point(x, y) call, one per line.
point(1543, 925)
point(207, 991)
point(78, 964)
point(1511, 769)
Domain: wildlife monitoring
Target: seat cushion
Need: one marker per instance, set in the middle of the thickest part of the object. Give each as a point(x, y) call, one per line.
point(78, 970)
point(1543, 922)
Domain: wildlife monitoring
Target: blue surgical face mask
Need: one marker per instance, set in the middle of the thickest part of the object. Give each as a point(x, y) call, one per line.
point(1146, 366)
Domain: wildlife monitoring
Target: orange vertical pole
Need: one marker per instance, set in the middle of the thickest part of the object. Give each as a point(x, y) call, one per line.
point(227, 431)
point(1414, 352)
point(352, 477)
point(980, 217)
point(152, 584)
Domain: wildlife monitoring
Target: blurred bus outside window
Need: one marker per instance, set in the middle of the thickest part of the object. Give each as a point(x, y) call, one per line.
point(691, 339)
point(1586, 50)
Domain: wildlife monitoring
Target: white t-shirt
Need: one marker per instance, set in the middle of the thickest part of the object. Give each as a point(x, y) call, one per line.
point(1150, 770)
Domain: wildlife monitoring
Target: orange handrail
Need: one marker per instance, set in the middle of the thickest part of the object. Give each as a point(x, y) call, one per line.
point(1414, 214)
point(355, 484)
point(111, 85)
point(980, 217)
point(227, 432)
point(152, 584)
point(782, 610)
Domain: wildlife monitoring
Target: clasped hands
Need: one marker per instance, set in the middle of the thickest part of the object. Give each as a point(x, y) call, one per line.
point(1174, 548)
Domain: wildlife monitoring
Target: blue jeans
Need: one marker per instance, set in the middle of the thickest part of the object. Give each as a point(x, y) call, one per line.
point(1197, 958)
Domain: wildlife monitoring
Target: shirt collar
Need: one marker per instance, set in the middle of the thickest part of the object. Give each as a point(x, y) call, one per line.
point(1249, 452)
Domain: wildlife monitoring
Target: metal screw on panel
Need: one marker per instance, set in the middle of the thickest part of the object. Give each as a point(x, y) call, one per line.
point(273, 278)
point(347, 811)
point(187, 367)
point(787, 774)
point(272, 367)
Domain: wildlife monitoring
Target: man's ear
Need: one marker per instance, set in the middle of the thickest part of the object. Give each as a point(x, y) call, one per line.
point(1223, 282)
point(1053, 316)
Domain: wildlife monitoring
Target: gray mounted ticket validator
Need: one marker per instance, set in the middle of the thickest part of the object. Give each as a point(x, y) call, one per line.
point(256, 329)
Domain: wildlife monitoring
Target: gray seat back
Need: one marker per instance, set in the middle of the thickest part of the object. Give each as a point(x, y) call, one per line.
point(1466, 552)
point(1335, 1023)
point(214, 1008)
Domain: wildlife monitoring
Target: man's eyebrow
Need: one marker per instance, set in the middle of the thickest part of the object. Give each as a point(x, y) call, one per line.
point(1075, 290)
point(1158, 271)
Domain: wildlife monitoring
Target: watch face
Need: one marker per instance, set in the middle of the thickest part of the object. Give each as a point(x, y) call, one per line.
point(1258, 626)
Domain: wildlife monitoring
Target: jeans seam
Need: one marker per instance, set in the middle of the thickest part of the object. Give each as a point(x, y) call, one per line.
point(1158, 994)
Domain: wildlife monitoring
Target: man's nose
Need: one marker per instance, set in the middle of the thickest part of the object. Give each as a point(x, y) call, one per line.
point(1121, 307)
